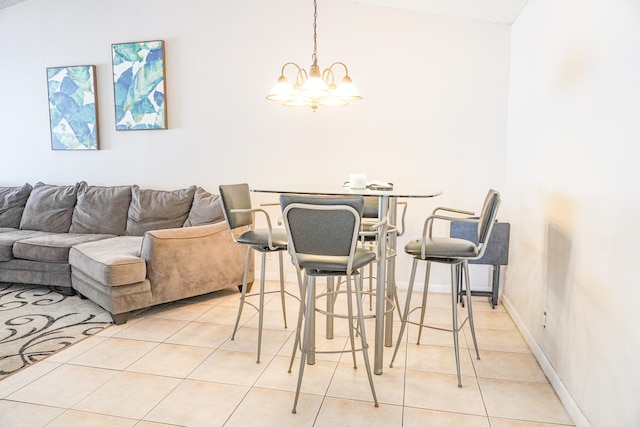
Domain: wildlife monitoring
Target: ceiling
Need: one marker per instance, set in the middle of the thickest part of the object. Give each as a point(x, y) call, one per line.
point(500, 11)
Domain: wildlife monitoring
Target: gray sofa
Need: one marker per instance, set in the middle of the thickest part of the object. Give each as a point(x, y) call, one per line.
point(123, 247)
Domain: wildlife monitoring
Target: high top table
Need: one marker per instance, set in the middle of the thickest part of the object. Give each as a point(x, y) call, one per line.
point(387, 204)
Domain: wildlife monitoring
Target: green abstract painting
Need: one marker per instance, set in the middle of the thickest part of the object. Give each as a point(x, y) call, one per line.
point(139, 85)
point(73, 114)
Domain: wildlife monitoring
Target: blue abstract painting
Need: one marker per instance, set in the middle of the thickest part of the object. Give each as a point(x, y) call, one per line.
point(139, 85)
point(73, 114)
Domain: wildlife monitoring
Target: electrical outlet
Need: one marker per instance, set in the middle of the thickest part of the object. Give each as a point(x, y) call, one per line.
point(544, 319)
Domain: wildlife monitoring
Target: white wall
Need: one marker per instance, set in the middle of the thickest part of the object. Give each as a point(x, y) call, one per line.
point(435, 92)
point(571, 193)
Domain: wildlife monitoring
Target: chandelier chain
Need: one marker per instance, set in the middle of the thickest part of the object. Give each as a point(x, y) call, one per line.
point(314, 57)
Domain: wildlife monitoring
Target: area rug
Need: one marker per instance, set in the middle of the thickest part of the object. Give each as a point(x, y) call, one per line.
point(36, 322)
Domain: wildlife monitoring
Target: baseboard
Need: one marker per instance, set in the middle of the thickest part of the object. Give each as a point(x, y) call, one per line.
point(565, 397)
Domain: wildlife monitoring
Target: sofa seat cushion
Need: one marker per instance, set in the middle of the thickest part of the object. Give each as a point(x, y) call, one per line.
point(10, 237)
point(112, 262)
point(52, 247)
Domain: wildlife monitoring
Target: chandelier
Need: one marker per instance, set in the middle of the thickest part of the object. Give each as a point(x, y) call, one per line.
point(314, 89)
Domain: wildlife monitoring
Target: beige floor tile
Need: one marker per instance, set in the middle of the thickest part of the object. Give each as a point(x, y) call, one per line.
point(198, 403)
point(414, 417)
point(438, 359)
point(152, 424)
point(354, 413)
point(509, 366)
point(152, 329)
point(491, 319)
point(23, 377)
point(504, 422)
point(231, 367)
point(337, 343)
point(441, 392)
point(200, 334)
point(522, 401)
point(350, 383)
point(76, 349)
point(213, 298)
point(273, 409)
point(88, 419)
point(273, 320)
point(223, 314)
point(128, 395)
point(114, 353)
point(497, 340)
point(246, 339)
point(315, 380)
point(26, 414)
point(181, 311)
point(171, 360)
point(55, 388)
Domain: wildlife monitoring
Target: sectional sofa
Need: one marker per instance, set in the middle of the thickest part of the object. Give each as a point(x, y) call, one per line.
point(123, 247)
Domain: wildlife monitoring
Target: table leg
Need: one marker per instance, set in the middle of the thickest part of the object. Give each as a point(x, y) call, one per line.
point(391, 277)
point(383, 206)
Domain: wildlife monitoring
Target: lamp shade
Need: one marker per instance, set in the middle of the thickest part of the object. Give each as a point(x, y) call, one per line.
point(347, 90)
point(282, 91)
point(315, 88)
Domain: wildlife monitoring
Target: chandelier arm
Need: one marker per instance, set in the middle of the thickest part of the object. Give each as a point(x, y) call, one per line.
point(346, 70)
point(329, 78)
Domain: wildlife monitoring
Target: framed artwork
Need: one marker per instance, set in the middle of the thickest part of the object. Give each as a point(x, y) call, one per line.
point(73, 108)
point(139, 85)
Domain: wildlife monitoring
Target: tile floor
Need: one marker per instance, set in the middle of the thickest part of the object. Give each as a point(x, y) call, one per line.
point(175, 365)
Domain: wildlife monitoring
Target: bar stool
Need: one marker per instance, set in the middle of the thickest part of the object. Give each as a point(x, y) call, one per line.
point(236, 204)
point(454, 252)
point(323, 241)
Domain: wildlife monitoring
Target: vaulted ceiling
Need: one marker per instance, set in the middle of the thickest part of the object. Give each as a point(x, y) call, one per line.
point(501, 11)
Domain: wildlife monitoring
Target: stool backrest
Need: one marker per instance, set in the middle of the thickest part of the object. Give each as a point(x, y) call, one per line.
point(236, 196)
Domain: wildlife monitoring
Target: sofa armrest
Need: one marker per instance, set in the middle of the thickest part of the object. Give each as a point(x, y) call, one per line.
point(190, 261)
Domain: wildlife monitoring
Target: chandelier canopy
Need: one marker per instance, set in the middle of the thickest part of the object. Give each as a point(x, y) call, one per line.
point(314, 89)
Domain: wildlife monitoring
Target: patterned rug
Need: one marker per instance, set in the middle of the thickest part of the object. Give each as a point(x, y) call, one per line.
point(36, 321)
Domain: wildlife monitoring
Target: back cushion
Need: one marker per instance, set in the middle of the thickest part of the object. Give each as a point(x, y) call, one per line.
point(206, 209)
point(157, 210)
point(12, 202)
point(101, 210)
point(49, 208)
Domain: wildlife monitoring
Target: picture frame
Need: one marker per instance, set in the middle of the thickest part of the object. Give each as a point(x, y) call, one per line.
point(73, 107)
point(139, 85)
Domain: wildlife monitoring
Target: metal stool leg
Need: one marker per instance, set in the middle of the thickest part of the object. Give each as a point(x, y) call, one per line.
point(405, 315)
point(454, 310)
point(244, 292)
point(308, 330)
point(425, 293)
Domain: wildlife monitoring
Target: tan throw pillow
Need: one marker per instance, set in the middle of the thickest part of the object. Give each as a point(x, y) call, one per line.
point(101, 210)
point(206, 209)
point(157, 209)
point(12, 202)
point(49, 208)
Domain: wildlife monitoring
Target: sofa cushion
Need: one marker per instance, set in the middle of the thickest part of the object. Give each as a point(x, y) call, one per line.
point(49, 208)
point(101, 209)
point(157, 209)
point(9, 238)
point(52, 247)
point(12, 202)
point(111, 262)
point(206, 209)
